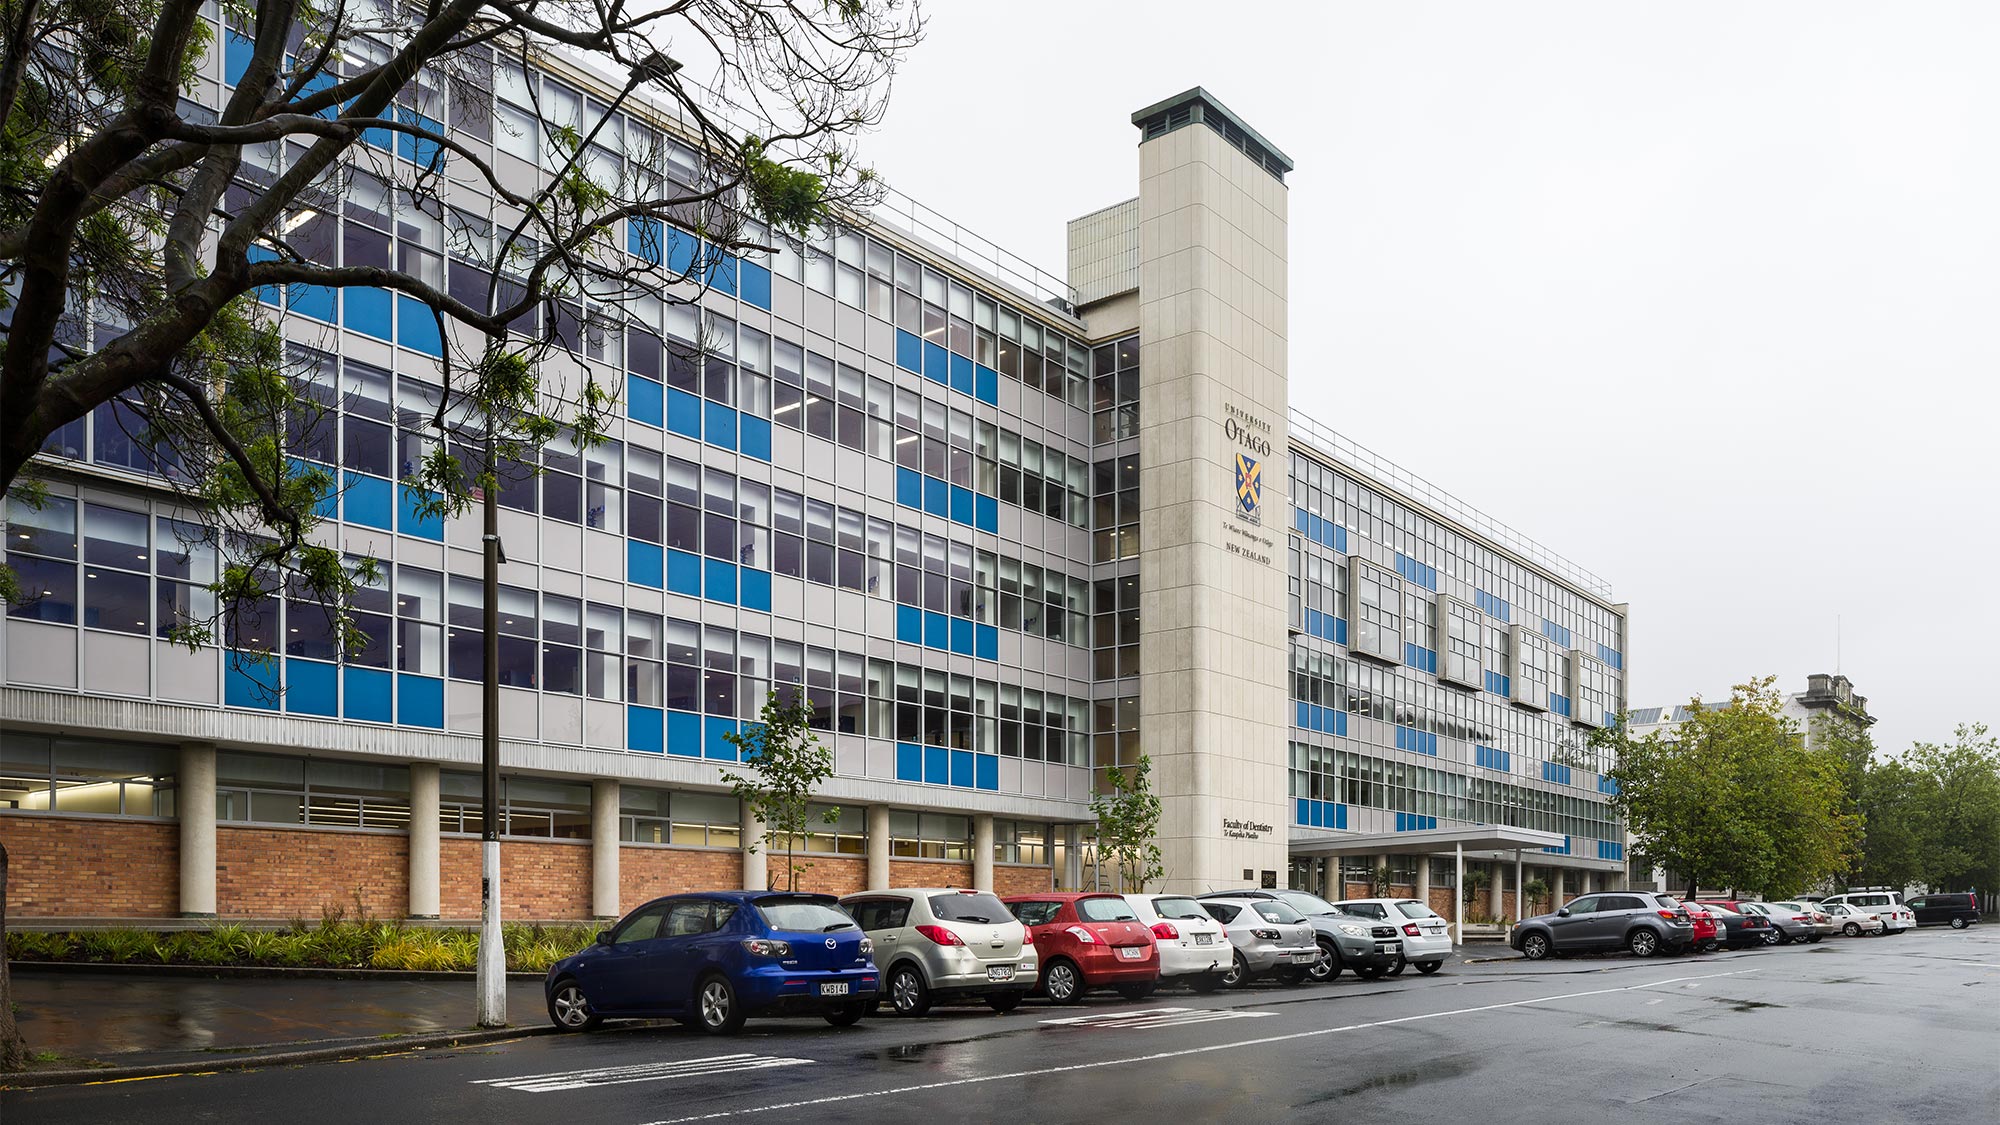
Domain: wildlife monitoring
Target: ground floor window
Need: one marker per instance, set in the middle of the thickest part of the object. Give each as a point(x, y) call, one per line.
point(929, 835)
point(41, 773)
point(694, 820)
point(270, 789)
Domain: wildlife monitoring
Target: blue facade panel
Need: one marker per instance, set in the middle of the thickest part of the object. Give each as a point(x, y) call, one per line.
point(936, 363)
point(370, 501)
point(371, 694)
point(645, 563)
point(684, 573)
point(719, 583)
point(419, 701)
point(684, 734)
point(312, 687)
point(645, 729)
point(937, 497)
point(909, 487)
point(910, 624)
point(986, 771)
point(985, 512)
point(755, 285)
point(683, 413)
point(716, 744)
point(961, 505)
point(986, 642)
point(909, 762)
point(369, 312)
point(754, 436)
point(937, 765)
point(645, 400)
point(719, 425)
point(410, 521)
point(754, 586)
point(937, 630)
point(961, 374)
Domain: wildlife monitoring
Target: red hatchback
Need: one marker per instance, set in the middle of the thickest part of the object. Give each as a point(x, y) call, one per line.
point(1707, 933)
point(1088, 941)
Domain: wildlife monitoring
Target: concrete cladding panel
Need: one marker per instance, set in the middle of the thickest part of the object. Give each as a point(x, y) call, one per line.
point(1213, 403)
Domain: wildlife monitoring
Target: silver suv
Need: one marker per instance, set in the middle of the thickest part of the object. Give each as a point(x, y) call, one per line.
point(938, 944)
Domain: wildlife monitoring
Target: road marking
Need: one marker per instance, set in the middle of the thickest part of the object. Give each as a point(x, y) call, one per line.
point(1182, 1053)
point(1649, 1003)
point(1156, 1017)
point(640, 1072)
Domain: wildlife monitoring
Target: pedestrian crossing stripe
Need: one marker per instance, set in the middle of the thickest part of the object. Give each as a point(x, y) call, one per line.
point(1156, 1017)
point(639, 1072)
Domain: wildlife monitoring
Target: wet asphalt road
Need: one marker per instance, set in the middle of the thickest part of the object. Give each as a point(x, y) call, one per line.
point(1871, 1029)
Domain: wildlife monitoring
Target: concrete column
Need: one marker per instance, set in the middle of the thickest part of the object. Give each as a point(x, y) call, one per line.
point(604, 847)
point(195, 802)
point(425, 852)
point(1520, 895)
point(756, 872)
point(1072, 875)
point(1424, 878)
point(1496, 889)
point(878, 847)
point(1458, 895)
point(982, 852)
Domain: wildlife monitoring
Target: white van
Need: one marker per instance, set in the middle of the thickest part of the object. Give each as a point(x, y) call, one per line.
point(1895, 916)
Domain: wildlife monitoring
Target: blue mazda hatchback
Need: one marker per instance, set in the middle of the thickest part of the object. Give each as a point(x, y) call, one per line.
point(715, 958)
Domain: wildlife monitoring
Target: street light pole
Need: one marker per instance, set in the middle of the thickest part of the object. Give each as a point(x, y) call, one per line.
point(492, 964)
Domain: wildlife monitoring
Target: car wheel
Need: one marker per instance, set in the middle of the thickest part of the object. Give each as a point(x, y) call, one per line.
point(717, 1011)
point(1238, 974)
point(1816, 938)
point(1209, 982)
point(1785, 937)
point(1369, 972)
point(1643, 943)
point(1429, 967)
point(1396, 970)
point(1958, 923)
point(848, 1014)
point(1292, 977)
point(1771, 936)
point(1326, 966)
point(569, 1009)
point(1535, 947)
point(907, 992)
point(1062, 982)
point(1003, 1001)
point(1137, 990)
point(1852, 929)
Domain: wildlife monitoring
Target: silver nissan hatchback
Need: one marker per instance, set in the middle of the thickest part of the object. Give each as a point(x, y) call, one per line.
point(942, 944)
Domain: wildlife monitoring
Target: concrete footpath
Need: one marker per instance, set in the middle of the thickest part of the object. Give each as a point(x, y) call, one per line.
point(129, 1019)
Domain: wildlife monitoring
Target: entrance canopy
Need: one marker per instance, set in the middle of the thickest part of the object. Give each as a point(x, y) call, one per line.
point(1479, 840)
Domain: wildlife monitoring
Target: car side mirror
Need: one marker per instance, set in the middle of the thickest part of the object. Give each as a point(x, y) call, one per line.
point(604, 937)
point(1562, 912)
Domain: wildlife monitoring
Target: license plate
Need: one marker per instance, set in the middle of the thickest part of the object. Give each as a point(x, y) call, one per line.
point(999, 972)
point(1204, 939)
point(1385, 949)
point(1304, 958)
point(838, 989)
point(1132, 952)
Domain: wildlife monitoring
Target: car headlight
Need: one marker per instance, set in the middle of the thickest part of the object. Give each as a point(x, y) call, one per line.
point(1352, 930)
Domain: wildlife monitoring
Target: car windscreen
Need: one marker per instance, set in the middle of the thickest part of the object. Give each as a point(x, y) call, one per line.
point(1277, 912)
point(1178, 908)
point(970, 908)
point(803, 915)
point(1667, 902)
point(1105, 909)
point(1416, 910)
point(1306, 903)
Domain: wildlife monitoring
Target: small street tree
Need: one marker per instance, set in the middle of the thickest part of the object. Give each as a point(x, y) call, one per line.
point(1956, 798)
point(1734, 796)
point(1128, 824)
point(786, 765)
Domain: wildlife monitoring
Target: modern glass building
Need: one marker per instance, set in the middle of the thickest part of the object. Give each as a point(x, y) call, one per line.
point(1003, 529)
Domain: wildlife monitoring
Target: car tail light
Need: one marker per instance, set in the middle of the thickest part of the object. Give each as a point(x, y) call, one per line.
point(1081, 934)
point(940, 934)
point(1410, 929)
point(1800, 918)
point(1027, 938)
point(1671, 915)
point(1266, 935)
point(767, 947)
point(1165, 931)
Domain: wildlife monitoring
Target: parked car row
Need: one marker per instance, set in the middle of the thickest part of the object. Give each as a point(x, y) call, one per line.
point(1647, 923)
point(713, 959)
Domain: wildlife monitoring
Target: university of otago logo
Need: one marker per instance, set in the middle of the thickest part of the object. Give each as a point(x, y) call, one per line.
point(1249, 488)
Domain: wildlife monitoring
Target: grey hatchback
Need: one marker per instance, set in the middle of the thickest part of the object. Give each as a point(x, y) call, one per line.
point(1646, 922)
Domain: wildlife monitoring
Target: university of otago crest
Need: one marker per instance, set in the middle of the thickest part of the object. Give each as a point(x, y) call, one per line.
point(1249, 488)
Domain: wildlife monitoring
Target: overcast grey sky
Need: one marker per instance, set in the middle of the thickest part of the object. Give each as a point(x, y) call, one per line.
point(1701, 296)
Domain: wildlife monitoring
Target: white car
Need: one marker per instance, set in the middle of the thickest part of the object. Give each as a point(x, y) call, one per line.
point(1193, 946)
point(1854, 920)
point(1426, 938)
point(1897, 918)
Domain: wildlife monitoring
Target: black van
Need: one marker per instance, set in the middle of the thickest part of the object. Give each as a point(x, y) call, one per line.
point(1956, 909)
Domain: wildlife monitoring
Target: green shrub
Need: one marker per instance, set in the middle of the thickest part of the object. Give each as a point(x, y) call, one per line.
point(33, 946)
point(115, 946)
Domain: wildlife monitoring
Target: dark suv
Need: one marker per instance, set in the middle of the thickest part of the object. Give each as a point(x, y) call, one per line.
point(1645, 922)
point(1956, 909)
point(1348, 941)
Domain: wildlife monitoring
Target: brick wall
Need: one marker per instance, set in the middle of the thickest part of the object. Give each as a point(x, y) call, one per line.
point(299, 873)
point(828, 875)
point(1012, 880)
point(1357, 890)
point(646, 873)
point(929, 873)
point(60, 867)
point(1441, 902)
point(537, 880)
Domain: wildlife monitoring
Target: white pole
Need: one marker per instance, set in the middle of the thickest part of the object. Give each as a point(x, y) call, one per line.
point(492, 956)
point(1520, 895)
